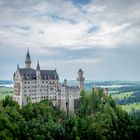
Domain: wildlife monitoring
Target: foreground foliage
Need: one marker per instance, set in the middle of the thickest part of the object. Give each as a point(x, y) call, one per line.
point(96, 118)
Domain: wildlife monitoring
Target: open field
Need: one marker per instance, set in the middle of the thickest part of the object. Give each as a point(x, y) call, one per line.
point(2, 96)
point(4, 91)
point(125, 95)
point(129, 107)
point(121, 95)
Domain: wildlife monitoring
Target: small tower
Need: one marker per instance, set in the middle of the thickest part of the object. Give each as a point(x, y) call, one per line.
point(38, 74)
point(28, 60)
point(80, 80)
point(65, 82)
point(18, 67)
point(38, 66)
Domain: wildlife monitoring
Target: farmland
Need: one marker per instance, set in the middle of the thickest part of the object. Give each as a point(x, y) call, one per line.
point(4, 91)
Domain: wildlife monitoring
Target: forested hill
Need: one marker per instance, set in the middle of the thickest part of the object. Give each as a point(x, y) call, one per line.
point(96, 118)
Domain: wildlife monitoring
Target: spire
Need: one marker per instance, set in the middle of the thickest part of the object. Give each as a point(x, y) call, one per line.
point(28, 54)
point(38, 72)
point(38, 66)
point(65, 82)
point(17, 66)
point(28, 60)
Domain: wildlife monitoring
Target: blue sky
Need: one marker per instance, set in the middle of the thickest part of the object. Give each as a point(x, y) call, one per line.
point(99, 36)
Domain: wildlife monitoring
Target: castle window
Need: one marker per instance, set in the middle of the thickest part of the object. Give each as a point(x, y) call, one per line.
point(51, 89)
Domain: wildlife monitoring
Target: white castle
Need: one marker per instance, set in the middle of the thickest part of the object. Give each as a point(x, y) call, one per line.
point(36, 85)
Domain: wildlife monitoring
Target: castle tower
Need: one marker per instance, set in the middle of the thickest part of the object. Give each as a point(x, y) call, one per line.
point(28, 60)
point(80, 80)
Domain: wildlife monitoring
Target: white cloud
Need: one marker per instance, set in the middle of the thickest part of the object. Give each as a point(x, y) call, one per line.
point(62, 25)
point(62, 33)
point(44, 30)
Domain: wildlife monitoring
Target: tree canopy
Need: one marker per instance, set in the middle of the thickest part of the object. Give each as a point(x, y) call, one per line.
point(97, 117)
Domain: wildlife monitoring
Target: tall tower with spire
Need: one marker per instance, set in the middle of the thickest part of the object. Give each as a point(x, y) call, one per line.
point(80, 80)
point(28, 60)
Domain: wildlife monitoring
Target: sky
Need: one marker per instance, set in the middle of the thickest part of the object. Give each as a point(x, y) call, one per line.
point(102, 37)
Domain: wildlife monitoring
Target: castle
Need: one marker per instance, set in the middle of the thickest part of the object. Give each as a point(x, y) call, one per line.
point(36, 85)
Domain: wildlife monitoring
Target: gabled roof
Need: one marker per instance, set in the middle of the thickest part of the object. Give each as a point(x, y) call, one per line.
point(70, 87)
point(30, 74)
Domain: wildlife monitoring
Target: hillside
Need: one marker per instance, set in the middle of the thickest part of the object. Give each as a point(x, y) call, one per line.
point(96, 117)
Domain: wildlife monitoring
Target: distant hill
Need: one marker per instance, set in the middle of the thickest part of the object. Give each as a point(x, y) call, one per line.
point(90, 83)
point(6, 82)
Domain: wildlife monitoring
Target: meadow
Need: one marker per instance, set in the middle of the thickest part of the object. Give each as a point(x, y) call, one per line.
point(121, 95)
point(124, 96)
point(4, 91)
point(123, 100)
point(130, 107)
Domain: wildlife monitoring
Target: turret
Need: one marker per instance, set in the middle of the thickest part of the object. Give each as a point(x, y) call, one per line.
point(80, 80)
point(27, 60)
point(38, 74)
point(16, 72)
point(18, 67)
point(38, 66)
point(14, 76)
point(65, 82)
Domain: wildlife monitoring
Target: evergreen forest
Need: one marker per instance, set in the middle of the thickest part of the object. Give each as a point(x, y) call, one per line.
point(96, 117)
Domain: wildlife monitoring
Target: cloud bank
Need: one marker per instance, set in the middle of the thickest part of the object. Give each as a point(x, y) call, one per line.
point(100, 36)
